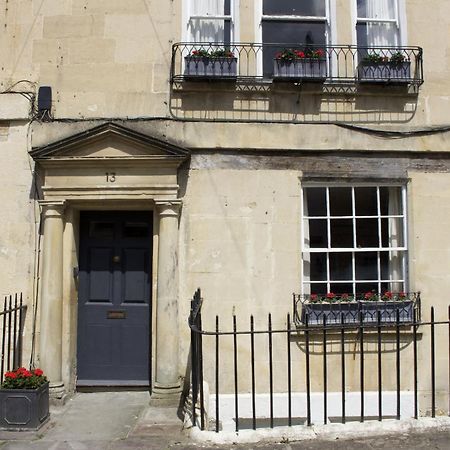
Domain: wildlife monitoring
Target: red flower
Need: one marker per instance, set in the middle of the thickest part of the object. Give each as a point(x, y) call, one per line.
point(38, 372)
point(344, 296)
point(331, 295)
point(388, 294)
point(10, 375)
point(313, 297)
point(368, 295)
point(320, 53)
point(299, 54)
point(402, 294)
point(278, 55)
point(24, 372)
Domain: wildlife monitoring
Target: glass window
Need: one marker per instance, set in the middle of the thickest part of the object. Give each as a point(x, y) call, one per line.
point(377, 23)
point(210, 21)
point(299, 23)
point(354, 239)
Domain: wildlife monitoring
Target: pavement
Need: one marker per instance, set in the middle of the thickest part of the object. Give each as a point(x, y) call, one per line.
point(126, 420)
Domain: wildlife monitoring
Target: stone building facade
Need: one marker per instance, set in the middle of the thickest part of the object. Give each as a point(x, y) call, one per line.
point(216, 171)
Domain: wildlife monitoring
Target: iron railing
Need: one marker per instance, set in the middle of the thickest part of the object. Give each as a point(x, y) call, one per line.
point(258, 62)
point(12, 319)
point(365, 306)
point(318, 345)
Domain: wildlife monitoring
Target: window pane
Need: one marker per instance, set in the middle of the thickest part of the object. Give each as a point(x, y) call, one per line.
point(377, 9)
point(317, 234)
point(315, 202)
point(210, 7)
point(366, 266)
point(392, 232)
point(377, 35)
point(318, 267)
point(366, 201)
point(210, 30)
point(341, 266)
point(341, 288)
point(342, 233)
point(295, 7)
point(391, 201)
point(135, 229)
point(317, 288)
point(286, 32)
point(367, 233)
point(340, 201)
point(362, 288)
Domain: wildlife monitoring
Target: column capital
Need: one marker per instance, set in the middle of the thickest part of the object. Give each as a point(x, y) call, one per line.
point(52, 208)
point(168, 208)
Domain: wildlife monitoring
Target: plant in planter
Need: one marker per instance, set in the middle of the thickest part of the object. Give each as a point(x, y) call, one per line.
point(382, 68)
point(220, 63)
point(294, 64)
point(24, 400)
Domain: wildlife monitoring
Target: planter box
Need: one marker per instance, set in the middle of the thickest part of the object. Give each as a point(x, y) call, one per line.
point(24, 409)
point(384, 72)
point(311, 69)
point(351, 311)
point(204, 67)
point(388, 311)
point(332, 311)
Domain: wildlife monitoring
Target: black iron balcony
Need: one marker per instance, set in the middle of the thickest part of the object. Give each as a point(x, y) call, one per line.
point(368, 308)
point(294, 63)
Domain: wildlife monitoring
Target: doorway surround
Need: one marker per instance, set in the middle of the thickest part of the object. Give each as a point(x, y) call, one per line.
point(109, 167)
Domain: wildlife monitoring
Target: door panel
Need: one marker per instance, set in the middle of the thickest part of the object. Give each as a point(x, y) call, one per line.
point(114, 304)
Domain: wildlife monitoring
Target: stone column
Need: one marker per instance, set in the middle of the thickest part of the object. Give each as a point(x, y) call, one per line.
point(167, 376)
point(51, 298)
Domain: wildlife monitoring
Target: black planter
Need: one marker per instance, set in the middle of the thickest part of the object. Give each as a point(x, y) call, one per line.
point(384, 72)
point(24, 409)
point(309, 69)
point(210, 68)
point(333, 312)
point(388, 311)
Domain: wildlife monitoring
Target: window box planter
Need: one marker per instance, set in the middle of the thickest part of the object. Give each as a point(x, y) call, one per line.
point(24, 409)
point(205, 67)
point(333, 312)
point(310, 69)
point(388, 311)
point(382, 72)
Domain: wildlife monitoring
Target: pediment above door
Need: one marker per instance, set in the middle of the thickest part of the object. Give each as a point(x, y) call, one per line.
point(110, 140)
point(108, 162)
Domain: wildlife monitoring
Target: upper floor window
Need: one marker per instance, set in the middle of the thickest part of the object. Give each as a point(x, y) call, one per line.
point(211, 21)
point(295, 22)
point(377, 23)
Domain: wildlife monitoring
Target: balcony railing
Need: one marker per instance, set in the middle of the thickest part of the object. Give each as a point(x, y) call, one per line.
point(368, 308)
point(257, 62)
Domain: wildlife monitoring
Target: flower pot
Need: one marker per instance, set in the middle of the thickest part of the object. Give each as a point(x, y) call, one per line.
point(206, 67)
point(388, 311)
point(333, 312)
point(311, 69)
point(383, 72)
point(24, 409)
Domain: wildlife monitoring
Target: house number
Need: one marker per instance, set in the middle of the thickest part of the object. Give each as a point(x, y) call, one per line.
point(110, 177)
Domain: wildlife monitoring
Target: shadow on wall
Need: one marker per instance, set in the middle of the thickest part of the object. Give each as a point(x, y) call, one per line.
point(289, 102)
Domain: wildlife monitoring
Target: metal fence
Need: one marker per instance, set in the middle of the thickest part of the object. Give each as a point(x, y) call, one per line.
point(12, 319)
point(250, 62)
point(363, 332)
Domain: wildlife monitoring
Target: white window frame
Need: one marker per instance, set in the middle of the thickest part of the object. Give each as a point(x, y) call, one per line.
point(399, 20)
point(329, 18)
point(306, 284)
point(233, 17)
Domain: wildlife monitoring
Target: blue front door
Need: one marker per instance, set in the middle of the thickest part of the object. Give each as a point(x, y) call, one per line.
point(114, 300)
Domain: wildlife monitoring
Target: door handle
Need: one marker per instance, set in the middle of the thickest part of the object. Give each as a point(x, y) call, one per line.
point(116, 259)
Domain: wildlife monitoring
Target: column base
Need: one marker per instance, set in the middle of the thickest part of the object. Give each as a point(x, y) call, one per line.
point(57, 393)
point(167, 394)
